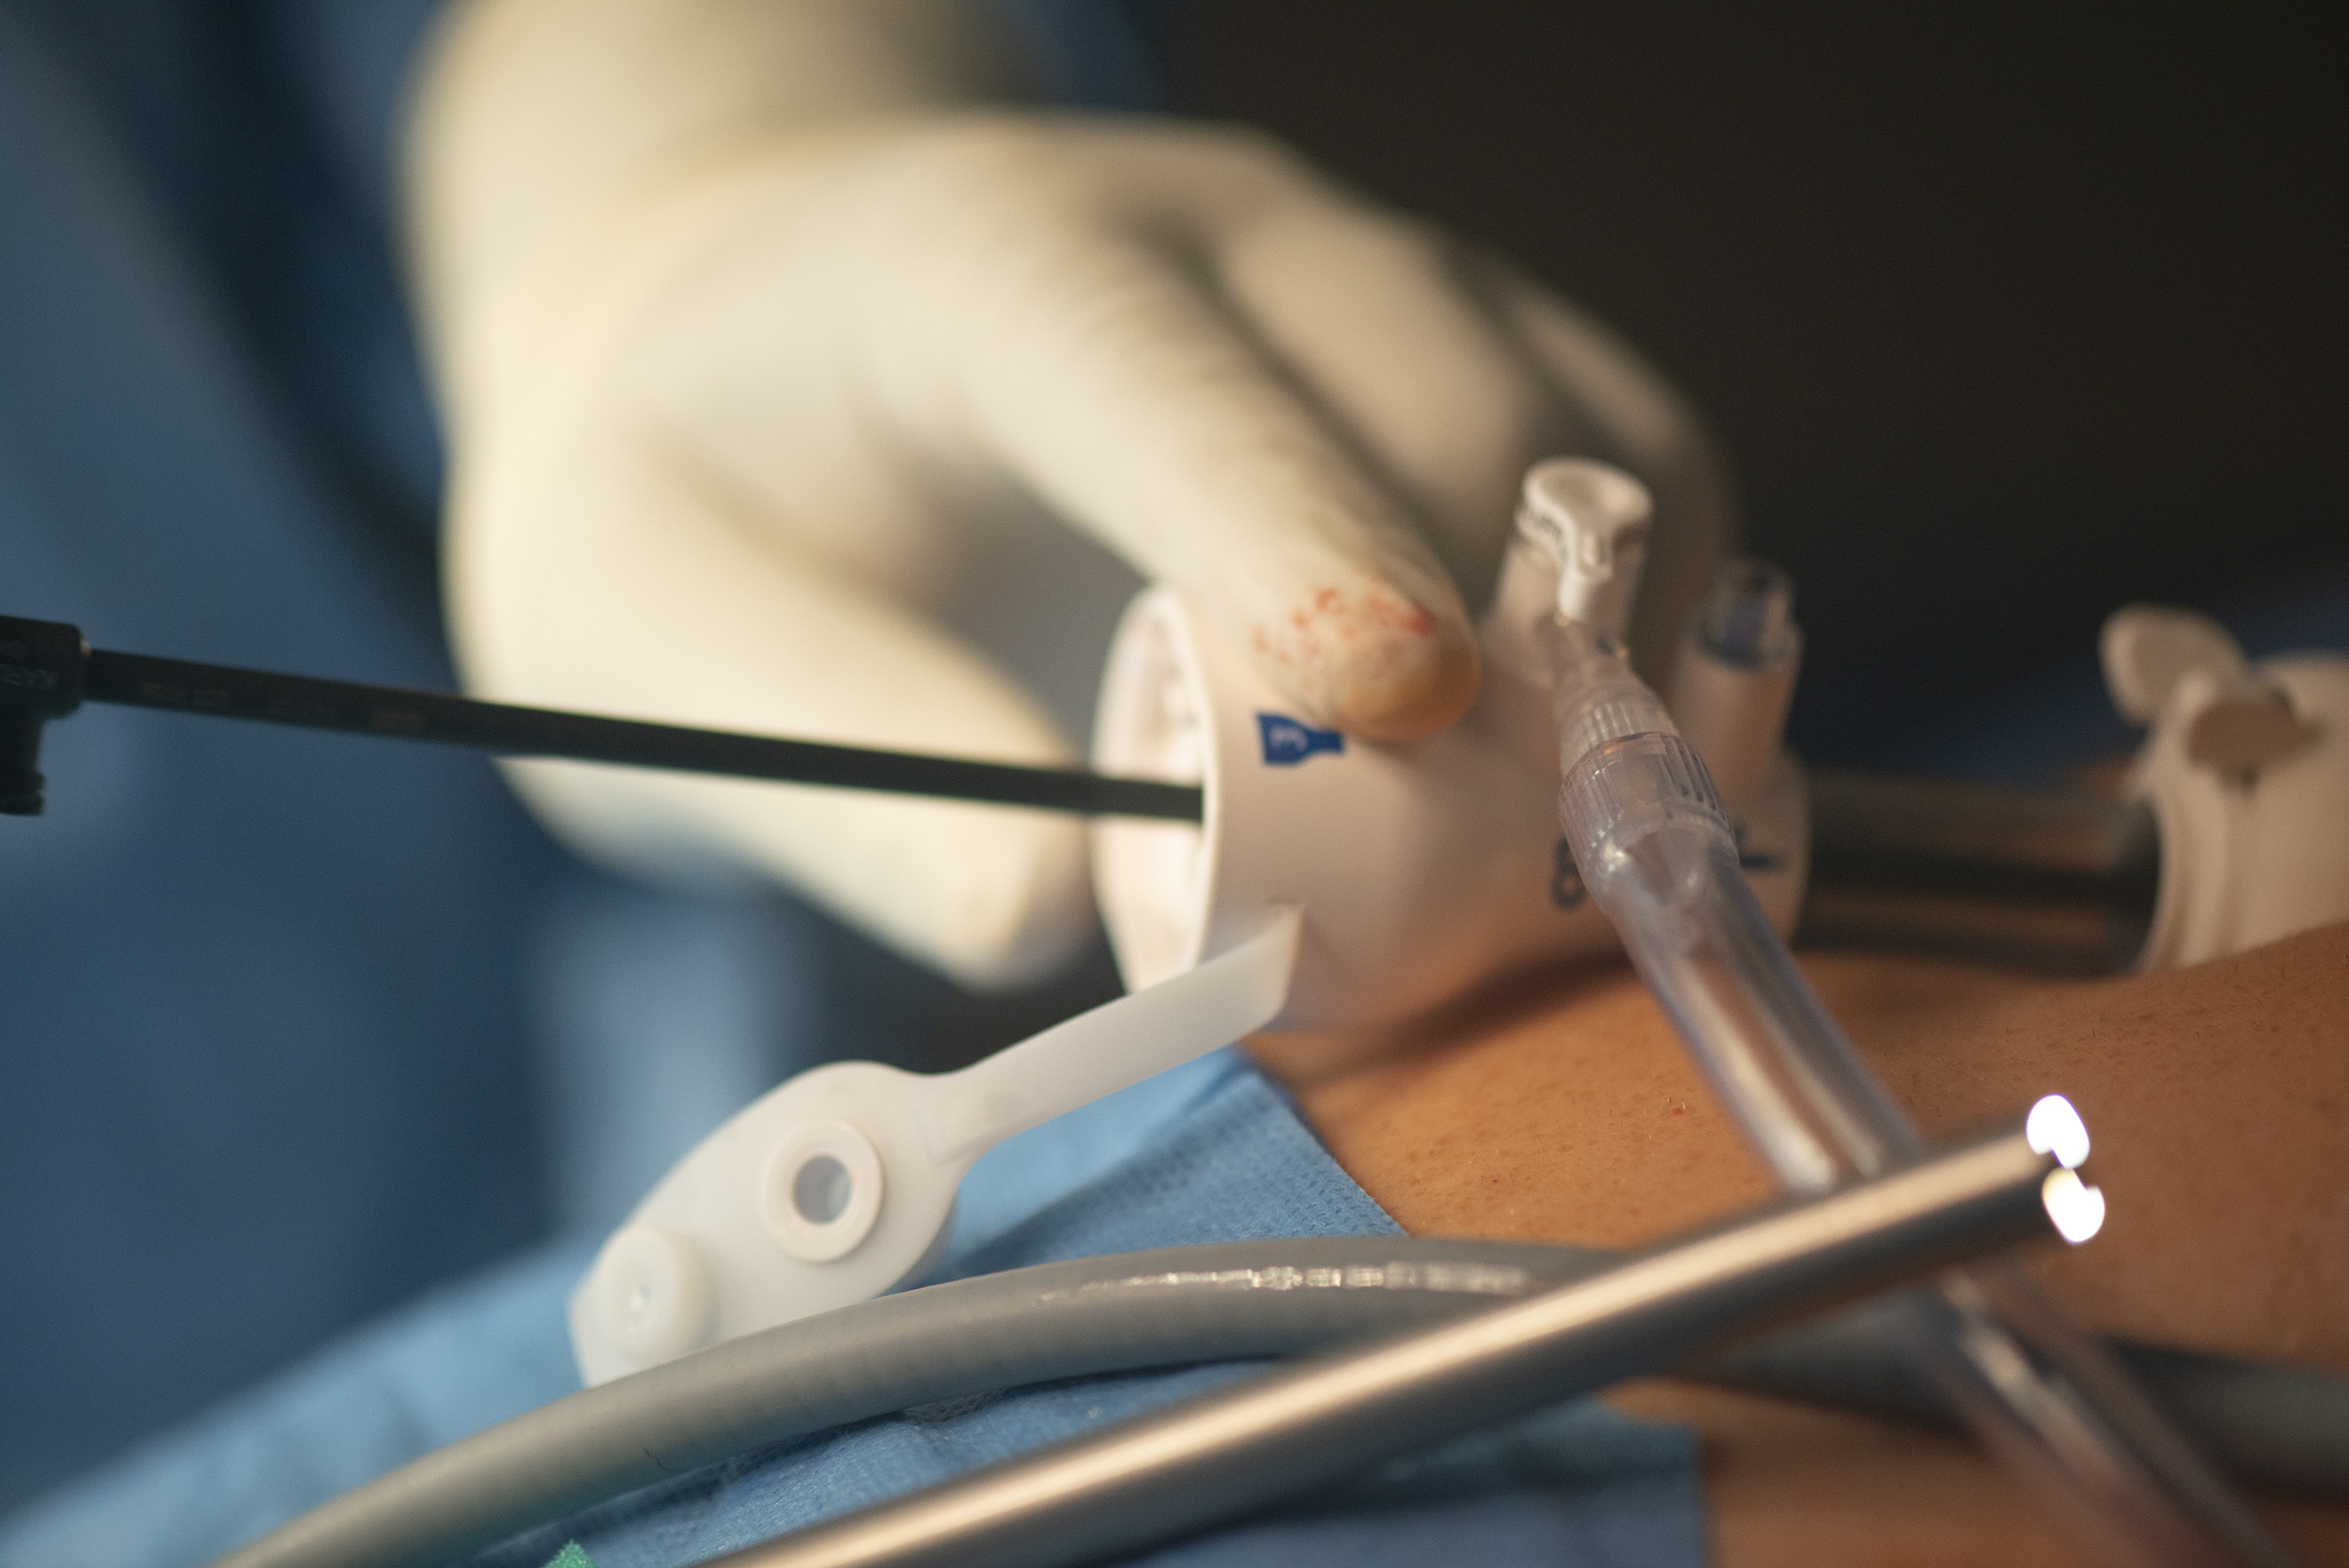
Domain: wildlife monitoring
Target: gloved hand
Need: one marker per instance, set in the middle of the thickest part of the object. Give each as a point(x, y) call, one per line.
point(769, 356)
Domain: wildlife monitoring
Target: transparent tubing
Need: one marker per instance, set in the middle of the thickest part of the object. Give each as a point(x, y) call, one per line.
point(1658, 856)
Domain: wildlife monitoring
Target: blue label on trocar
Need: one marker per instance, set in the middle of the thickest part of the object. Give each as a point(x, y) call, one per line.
point(1286, 742)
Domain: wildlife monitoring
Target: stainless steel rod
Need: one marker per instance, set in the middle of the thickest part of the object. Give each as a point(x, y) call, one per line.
point(1232, 1454)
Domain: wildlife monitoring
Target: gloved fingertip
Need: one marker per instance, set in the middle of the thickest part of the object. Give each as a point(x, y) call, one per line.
point(1374, 662)
point(1406, 700)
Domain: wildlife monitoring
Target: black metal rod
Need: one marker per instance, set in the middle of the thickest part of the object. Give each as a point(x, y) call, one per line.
point(179, 685)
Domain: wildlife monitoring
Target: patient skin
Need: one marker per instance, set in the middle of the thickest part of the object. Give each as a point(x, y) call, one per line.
point(2217, 1097)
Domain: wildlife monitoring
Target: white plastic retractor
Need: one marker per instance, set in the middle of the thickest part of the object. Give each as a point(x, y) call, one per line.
point(2245, 770)
point(840, 1184)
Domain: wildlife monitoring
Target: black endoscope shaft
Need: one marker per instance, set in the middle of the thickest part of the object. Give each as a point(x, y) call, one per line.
point(137, 680)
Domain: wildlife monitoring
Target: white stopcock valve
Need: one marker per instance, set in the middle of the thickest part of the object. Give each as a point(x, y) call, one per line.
point(1592, 522)
point(2245, 770)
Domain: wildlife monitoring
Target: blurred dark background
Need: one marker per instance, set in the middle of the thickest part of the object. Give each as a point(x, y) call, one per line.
point(2006, 313)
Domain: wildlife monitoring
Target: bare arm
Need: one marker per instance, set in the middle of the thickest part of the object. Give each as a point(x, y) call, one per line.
point(2217, 1095)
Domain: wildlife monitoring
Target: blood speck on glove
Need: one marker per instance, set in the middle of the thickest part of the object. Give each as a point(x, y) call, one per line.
point(1371, 661)
point(1333, 614)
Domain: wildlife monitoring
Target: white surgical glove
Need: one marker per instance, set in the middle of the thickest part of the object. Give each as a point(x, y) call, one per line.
point(787, 377)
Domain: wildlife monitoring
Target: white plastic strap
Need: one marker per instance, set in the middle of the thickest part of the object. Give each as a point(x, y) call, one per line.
point(1118, 1043)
